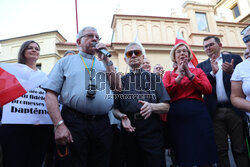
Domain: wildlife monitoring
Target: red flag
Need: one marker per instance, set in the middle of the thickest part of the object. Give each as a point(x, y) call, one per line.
point(180, 39)
point(16, 80)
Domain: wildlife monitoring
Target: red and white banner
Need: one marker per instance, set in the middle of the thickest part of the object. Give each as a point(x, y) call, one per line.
point(179, 39)
point(16, 80)
point(30, 108)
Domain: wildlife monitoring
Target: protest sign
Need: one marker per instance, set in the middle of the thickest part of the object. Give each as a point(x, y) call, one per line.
point(30, 108)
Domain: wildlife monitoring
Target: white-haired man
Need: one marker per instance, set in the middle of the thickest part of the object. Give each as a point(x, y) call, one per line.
point(139, 104)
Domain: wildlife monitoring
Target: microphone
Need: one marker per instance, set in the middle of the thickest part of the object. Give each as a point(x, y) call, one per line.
point(103, 51)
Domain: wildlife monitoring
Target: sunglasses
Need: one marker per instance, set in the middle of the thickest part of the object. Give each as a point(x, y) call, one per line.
point(137, 53)
point(246, 39)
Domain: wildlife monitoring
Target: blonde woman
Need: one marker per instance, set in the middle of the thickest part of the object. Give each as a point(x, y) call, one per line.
point(190, 126)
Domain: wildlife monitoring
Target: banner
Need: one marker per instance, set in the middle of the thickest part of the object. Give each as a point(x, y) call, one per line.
point(30, 108)
point(17, 79)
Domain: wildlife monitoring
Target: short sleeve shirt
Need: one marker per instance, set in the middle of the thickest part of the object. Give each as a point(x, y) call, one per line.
point(71, 79)
point(241, 73)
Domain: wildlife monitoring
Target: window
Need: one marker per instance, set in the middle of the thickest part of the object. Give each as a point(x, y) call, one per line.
point(236, 11)
point(39, 66)
point(201, 19)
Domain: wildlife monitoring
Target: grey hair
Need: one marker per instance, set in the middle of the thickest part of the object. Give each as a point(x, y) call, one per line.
point(129, 45)
point(80, 33)
point(157, 65)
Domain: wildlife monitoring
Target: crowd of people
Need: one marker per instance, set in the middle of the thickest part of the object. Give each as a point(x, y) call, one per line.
point(192, 111)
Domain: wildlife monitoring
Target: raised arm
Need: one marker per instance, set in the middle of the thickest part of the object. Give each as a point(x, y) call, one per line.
point(113, 77)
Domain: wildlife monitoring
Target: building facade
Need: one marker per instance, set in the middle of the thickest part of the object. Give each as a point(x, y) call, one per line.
point(222, 18)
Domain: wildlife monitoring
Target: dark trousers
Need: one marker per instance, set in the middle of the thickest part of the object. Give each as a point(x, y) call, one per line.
point(227, 122)
point(145, 146)
point(1, 156)
point(116, 156)
point(25, 145)
point(92, 140)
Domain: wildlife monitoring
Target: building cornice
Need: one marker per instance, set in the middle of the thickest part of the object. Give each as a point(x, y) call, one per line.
point(245, 18)
point(218, 4)
point(168, 44)
point(143, 17)
point(204, 34)
point(195, 3)
point(66, 43)
point(55, 31)
point(231, 23)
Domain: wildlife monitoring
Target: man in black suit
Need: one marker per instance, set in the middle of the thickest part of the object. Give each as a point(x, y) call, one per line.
point(226, 119)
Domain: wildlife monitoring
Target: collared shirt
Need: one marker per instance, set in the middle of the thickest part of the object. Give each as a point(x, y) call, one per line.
point(70, 79)
point(220, 88)
point(140, 85)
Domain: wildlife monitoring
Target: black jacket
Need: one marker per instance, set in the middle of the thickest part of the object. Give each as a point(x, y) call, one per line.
point(211, 100)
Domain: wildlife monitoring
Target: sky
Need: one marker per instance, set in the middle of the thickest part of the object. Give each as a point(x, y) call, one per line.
point(25, 17)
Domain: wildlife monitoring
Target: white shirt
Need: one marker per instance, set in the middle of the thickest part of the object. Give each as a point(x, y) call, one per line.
point(220, 89)
point(242, 73)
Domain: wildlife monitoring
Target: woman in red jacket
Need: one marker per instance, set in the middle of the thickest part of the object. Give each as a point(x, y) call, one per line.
point(190, 125)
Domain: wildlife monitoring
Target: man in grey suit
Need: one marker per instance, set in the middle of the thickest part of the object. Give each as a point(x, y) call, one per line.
point(227, 120)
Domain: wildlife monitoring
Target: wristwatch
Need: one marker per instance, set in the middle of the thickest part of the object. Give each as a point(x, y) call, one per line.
point(110, 63)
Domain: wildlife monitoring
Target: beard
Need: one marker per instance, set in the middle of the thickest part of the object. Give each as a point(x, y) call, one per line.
point(89, 49)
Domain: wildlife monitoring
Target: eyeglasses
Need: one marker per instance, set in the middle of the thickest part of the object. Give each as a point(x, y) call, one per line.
point(129, 54)
point(179, 51)
point(208, 45)
point(246, 39)
point(91, 36)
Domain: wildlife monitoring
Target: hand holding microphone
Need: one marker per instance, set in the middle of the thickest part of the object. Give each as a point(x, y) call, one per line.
point(102, 50)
